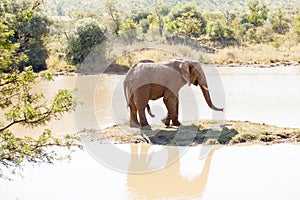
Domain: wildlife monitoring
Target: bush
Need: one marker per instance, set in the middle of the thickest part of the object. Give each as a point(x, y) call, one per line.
point(186, 20)
point(86, 35)
point(56, 64)
point(297, 26)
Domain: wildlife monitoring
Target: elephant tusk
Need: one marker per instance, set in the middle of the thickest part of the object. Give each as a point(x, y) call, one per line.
point(204, 87)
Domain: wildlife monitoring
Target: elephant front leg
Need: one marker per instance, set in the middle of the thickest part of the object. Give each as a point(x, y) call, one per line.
point(166, 120)
point(171, 102)
point(174, 117)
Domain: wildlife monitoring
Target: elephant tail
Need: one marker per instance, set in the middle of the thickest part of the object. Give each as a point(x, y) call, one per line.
point(126, 93)
point(149, 111)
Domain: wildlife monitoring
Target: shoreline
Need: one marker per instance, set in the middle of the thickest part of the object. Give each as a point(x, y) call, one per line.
point(265, 66)
point(231, 65)
point(231, 132)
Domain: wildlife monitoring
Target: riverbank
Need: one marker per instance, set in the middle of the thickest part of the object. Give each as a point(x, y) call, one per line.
point(192, 134)
point(115, 69)
point(259, 56)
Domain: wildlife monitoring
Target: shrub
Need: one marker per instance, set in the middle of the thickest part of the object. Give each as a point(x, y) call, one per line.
point(86, 35)
point(297, 26)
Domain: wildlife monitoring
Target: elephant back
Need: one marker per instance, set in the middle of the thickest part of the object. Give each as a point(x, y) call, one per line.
point(152, 73)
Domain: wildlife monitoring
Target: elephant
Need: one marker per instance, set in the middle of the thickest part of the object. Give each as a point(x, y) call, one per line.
point(148, 80)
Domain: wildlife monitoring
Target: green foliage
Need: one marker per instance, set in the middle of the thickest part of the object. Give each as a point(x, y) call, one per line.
point(141, 18)
point(258, 13)
point(19, 105)
point(114, 13)
point(57, 64)
point(216, 29)
point(15, 151)
point(238, 29)
point(145, 25)
point(161, 12)
point(29, 27)
point(128, 31)
point(247, 23)
point(86, 35)
point(296, 28)
point(187, 20)
point(138, 15)
point(264, 34)
point(69, 7)
point(7, 48)
point(190, 24)
point(279, 22)
point(251, 35)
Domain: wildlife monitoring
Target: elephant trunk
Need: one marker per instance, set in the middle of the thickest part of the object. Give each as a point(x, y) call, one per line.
point(206, 95)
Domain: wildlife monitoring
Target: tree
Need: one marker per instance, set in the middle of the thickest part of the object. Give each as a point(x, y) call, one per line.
point(239, 29)
point(279, 22)
point(86, 35)
point(145, 25)
point(113, 12)
point(139, 15)
point(19, 105)
point(140, 18)
point(216, 29)
point(258, 13)
point(161, 11)
point(128, 31)
point(29, 31)
point(190, 25)
point(187, 20)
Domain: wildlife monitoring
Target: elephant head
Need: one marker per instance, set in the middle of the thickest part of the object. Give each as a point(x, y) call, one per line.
point(193, 73)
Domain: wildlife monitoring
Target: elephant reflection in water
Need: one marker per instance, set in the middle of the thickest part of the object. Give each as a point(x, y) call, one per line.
point(167, 182)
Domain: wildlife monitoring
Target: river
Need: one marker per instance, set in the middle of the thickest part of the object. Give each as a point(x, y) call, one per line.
point(270, 96)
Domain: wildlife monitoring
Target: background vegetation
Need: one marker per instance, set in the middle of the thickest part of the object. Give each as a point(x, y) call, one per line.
point(70, 7)
point(231, 32)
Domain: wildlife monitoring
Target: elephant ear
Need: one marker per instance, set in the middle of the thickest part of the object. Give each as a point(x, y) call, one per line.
point(185, 71)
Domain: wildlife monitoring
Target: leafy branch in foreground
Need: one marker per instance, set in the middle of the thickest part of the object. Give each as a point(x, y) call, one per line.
point(21, 105)
point(16, 152)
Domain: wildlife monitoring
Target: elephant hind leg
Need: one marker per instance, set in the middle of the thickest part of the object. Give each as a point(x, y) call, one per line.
point(141, 97)
point(142, 116)
point(133, 114)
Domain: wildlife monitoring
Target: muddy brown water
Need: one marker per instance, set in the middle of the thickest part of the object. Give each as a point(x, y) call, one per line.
point(269, 96)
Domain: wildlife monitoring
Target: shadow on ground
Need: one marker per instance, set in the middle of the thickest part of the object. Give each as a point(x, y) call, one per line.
point(191, 135)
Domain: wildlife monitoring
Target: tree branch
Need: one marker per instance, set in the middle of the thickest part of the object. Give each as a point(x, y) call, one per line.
point(12, 123)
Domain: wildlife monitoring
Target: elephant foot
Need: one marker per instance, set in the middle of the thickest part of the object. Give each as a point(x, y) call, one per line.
point(166, 121)
point(134, 125)
point(175, 123)
point(146, 127)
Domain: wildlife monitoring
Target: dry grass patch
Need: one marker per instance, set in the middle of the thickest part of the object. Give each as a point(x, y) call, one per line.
point(257, 54)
